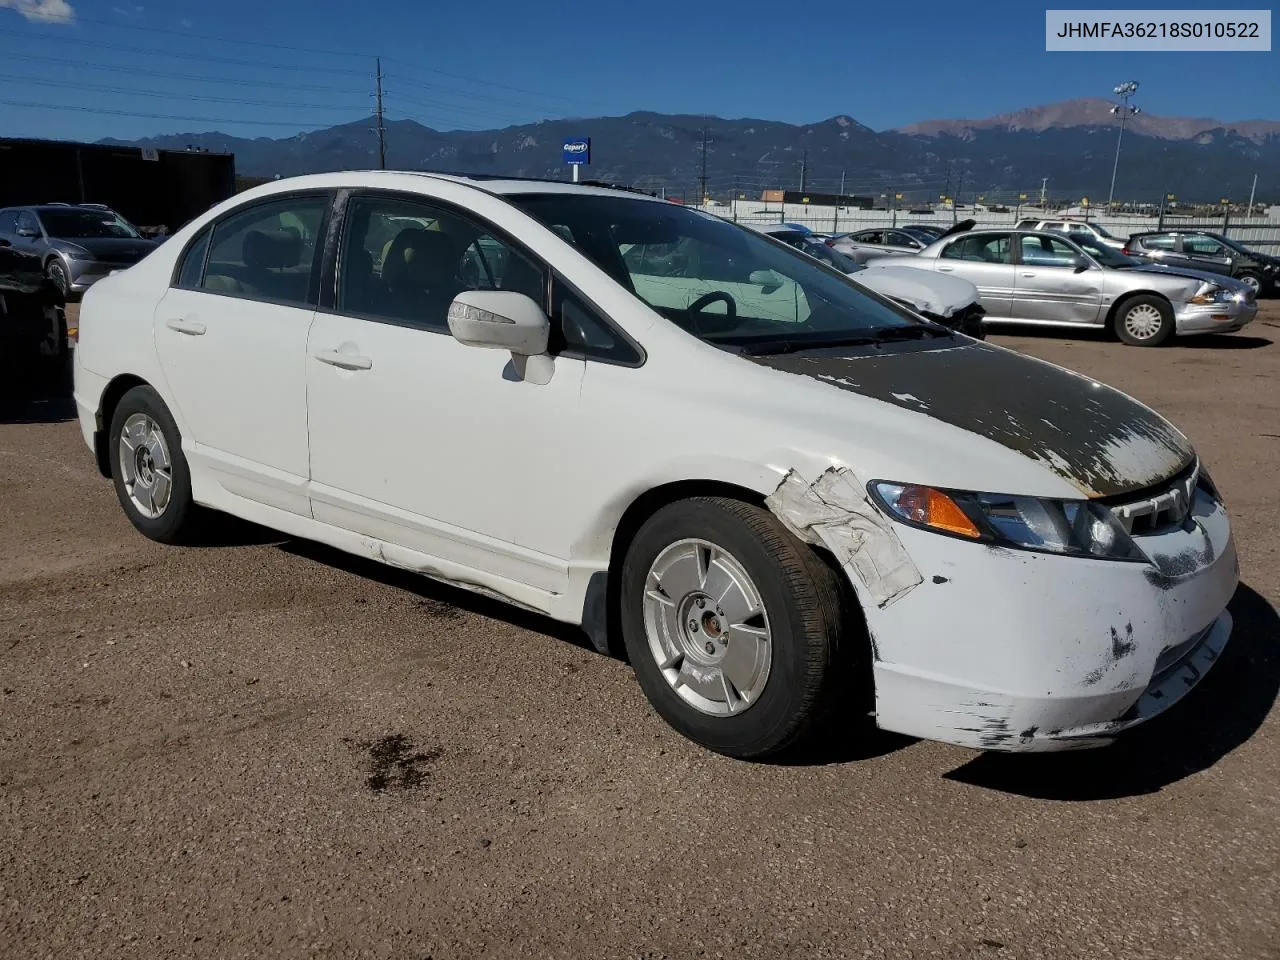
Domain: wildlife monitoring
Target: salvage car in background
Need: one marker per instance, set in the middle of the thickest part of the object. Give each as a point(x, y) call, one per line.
point(77, 244)
point(878, 242)
point(740, 456)
point(1047, 278)
point(1209, 252)
point(1072, 228)
point(951, 301)
point(33, 329)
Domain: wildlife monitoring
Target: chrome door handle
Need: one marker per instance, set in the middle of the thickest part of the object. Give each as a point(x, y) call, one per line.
point(945, 269)
point(192, 328)
point(346, 361)
point(1028, 274)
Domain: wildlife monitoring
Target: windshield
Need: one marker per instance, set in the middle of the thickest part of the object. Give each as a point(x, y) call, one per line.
point(83, 224)
point(1105, 255)
point(723, 283)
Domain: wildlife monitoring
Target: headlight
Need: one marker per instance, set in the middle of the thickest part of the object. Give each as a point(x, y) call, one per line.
point(1212, 293)
point(1080, 528)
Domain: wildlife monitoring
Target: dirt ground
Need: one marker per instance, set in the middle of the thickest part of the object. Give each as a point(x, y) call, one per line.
point(269, 749)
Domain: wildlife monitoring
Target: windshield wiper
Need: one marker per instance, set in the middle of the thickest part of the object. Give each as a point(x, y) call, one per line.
point(885, 334)
point(763, 348)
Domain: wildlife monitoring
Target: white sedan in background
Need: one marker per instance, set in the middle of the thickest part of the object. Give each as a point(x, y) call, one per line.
point(774, 489)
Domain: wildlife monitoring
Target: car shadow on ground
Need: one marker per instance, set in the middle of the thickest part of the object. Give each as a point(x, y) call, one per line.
point(1222, 713)
point(432, 590)
point(1204, 341)
point(35, 393)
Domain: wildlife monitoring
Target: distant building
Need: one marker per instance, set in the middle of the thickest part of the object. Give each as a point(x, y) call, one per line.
point(148, 187)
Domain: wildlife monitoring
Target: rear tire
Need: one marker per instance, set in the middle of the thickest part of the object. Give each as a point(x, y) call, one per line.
point(1144, 321)
point(743, 686)
point(148, 468)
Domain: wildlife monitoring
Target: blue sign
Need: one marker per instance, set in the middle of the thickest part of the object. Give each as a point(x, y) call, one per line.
point(577, 151)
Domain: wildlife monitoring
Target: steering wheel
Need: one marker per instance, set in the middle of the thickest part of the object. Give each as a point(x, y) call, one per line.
point(731, 306)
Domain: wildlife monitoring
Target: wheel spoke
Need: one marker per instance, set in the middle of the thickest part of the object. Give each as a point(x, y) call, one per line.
point(159, 452)
point(683, 575)
point(145, 495)
point(743, 656)
point(161, 489)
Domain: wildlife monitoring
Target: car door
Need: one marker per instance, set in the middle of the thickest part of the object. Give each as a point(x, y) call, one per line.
point(986, 261)
point(20, 267)
point(416, 440)
point(1048, 285)
point(1205, 253)
point(231, 334)
point(28, 237)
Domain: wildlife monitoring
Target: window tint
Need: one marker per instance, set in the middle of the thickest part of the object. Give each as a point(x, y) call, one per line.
point(1204, 246)
point(870, 236)
point(192, 270)
point(27, 221)
point(1161, 241)
point(987, 248)
point(899, 239)
point(1042, 251)
point(405, 261)
point(9, 221)
point(267, 252)
point(577, 329)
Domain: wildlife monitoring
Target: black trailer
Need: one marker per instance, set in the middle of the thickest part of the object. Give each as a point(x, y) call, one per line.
point(147, 187)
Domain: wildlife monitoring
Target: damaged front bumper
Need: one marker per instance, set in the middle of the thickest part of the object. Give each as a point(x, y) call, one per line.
point(1002, 649)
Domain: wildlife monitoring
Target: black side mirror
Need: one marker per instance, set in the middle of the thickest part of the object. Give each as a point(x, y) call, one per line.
point(4, 242)
point(1081, 264)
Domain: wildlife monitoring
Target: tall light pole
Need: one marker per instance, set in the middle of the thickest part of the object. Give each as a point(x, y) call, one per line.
point(1124, 91)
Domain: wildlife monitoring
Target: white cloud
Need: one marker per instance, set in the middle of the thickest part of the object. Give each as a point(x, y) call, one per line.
point(42, 11)
point(187, 24)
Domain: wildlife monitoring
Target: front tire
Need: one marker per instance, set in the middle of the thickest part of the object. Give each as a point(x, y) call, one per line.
point(148, 468)
point(731, 625)
point(1253, 281)
point(58, 277)
point(1144, 321)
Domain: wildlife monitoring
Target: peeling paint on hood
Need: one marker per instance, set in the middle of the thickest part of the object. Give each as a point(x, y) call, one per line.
point(1103, 442)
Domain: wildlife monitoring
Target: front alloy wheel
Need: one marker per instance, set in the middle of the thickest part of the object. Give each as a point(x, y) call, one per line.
point(707, 627)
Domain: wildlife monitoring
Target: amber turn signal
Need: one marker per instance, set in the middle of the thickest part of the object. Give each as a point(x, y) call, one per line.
point(933, 508)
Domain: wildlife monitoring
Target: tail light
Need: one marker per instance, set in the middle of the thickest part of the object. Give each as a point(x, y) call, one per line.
point(1126, 251)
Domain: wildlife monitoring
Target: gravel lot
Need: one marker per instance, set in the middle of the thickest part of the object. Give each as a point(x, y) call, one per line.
point(271, 749)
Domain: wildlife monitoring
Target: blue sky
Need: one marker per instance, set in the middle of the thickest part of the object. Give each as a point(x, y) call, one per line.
point(129, 68)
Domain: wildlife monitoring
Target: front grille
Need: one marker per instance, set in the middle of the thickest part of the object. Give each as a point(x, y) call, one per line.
point(1163, 509)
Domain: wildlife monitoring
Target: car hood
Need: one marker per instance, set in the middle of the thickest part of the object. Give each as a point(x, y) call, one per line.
point(1219, 279)
point(1102, 442)
point(113, 249)
point(929, 292)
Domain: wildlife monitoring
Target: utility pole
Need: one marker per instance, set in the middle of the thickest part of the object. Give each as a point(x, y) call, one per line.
point(842, 173)
point(955, 200)
point(804, 169)
point(1044, 182)
point(1252, 191)
point(1124, 91)
point(702, 180)
point(382, 130)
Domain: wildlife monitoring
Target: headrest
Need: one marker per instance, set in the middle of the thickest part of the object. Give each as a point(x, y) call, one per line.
point(275, 248)
point(416, 252)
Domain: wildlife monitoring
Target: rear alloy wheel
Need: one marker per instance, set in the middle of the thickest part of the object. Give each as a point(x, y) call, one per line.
point(149, 470)
point(731, 625)
point(1144, 321)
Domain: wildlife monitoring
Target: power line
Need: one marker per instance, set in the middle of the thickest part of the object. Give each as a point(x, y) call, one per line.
point(133, 91)
point(205, 36)
point(382, 130)
point(179, 56)
point(144, 116)
point(164, 75)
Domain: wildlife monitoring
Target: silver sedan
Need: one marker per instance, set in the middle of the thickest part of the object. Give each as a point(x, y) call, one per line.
point(1046, 278)
point(868, 244)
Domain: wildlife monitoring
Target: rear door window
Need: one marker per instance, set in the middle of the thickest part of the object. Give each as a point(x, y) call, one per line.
point(986, 248)
point(267, 252)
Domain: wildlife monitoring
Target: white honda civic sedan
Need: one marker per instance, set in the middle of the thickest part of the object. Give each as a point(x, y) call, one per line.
point(771, 487)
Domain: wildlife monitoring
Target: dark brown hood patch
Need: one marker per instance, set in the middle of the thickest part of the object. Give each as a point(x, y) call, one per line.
point(1095, 437)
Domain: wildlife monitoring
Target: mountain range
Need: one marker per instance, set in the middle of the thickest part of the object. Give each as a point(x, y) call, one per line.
point(1071, 145)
